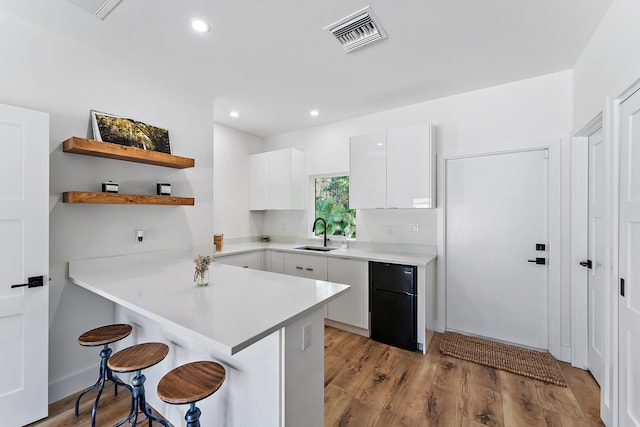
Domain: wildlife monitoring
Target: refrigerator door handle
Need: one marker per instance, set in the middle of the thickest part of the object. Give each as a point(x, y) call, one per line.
point(409, 294)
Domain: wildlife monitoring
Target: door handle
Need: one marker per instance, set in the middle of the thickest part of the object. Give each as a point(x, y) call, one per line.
point(33, 282)
point(539, 261)
point(587, 264)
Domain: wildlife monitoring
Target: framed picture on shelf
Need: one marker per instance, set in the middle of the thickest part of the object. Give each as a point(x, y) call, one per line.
point(132, 133)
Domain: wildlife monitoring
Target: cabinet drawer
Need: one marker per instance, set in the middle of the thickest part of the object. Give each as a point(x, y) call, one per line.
point(310, 266)
point(251, 260)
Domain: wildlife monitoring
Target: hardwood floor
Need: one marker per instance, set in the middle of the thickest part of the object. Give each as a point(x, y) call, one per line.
point(111, 410)
point(373, 384)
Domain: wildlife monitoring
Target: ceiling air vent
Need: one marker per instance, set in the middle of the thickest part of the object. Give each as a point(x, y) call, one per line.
point(99, 8)
point(357, 30)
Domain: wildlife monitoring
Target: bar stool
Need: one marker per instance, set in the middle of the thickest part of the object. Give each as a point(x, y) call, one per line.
point(190, 383)
point(104, 335)
point(135, 359)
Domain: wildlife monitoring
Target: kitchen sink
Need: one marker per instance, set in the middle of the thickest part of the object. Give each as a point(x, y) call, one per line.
point(315, 248)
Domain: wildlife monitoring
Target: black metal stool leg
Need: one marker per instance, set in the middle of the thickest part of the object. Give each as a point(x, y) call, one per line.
point(139, 403)
point(104, 375)
point(193, 416)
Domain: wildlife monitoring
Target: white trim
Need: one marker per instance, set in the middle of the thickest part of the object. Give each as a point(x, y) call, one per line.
point(579, 250)
point(579, 241)
point(555, 244)
point(609, 411)
point(635, 86)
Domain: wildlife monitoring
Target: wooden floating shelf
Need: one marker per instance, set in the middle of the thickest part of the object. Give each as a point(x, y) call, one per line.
point(124, 199)
point(90, 147)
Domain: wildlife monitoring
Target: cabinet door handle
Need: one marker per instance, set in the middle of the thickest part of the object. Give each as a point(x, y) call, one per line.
point(299, 268)
point(309, 269)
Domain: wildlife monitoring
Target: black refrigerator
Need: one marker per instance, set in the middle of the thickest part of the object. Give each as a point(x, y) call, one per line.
point(393, 304)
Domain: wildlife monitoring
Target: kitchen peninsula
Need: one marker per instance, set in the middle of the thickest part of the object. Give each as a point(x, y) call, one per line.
point(265, 328)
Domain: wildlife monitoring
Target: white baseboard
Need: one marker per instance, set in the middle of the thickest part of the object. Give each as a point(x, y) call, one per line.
point(565, 353)
point(72, 384)
point(348, 328)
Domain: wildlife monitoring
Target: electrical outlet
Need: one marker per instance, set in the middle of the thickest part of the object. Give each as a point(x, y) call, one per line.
point(306, 337)
point(413, 227)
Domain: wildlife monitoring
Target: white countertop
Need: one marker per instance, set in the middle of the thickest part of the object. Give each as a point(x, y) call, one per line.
point(238, 308)
point(408, 258)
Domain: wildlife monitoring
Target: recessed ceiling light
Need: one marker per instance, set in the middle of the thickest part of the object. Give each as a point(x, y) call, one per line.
point(234, 114)
point(314, 113)
point(200, 26)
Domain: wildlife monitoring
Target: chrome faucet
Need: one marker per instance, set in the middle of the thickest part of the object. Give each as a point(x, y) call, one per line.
point(313, 230)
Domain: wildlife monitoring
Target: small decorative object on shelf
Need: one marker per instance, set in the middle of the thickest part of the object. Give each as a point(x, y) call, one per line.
point(218, 241)
point(109, 187)
point(163, 189)
point(201, 276)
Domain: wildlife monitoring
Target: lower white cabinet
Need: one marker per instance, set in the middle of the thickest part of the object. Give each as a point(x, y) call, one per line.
point(251, 260)
point(273, 261)
point(309, 266)
point(351, 308)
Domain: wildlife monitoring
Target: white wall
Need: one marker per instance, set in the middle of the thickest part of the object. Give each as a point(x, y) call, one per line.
point(609, 63)
point(47, 72)
point(231, 150)
point(529, 113)
point(521, 114)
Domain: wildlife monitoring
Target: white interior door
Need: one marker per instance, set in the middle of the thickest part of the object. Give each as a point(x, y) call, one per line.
point(629, 264)
point(24, 253)
point(597, 242)
point(497, 210)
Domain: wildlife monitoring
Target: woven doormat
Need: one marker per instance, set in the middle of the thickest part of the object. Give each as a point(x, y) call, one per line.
point(529, 363)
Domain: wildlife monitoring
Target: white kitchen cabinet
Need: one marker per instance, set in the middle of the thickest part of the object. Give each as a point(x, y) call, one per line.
point(411, 167)
point(351, 308)
point(274, 261)
point(259, 181)
point(368, 171)
point(393, 169)
point(302, 265)
point(251, 260)
point(277, 180)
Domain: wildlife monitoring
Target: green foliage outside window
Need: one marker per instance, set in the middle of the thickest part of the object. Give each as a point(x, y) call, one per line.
point(332, 204)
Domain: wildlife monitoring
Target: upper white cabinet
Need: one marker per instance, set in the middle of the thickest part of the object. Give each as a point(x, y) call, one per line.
point(394, 169)
point(411, 167)
point(277, 180)
point(259, 181)
point(368, 176)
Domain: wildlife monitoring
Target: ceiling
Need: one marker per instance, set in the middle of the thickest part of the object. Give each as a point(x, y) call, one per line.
point(272, 61)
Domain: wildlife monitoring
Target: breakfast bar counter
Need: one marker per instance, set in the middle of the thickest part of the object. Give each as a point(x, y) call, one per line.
point(265, 328)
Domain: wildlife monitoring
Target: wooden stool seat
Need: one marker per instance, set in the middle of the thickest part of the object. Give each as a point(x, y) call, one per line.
point(191, 382)
point(104, 335)
point(138, 357)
